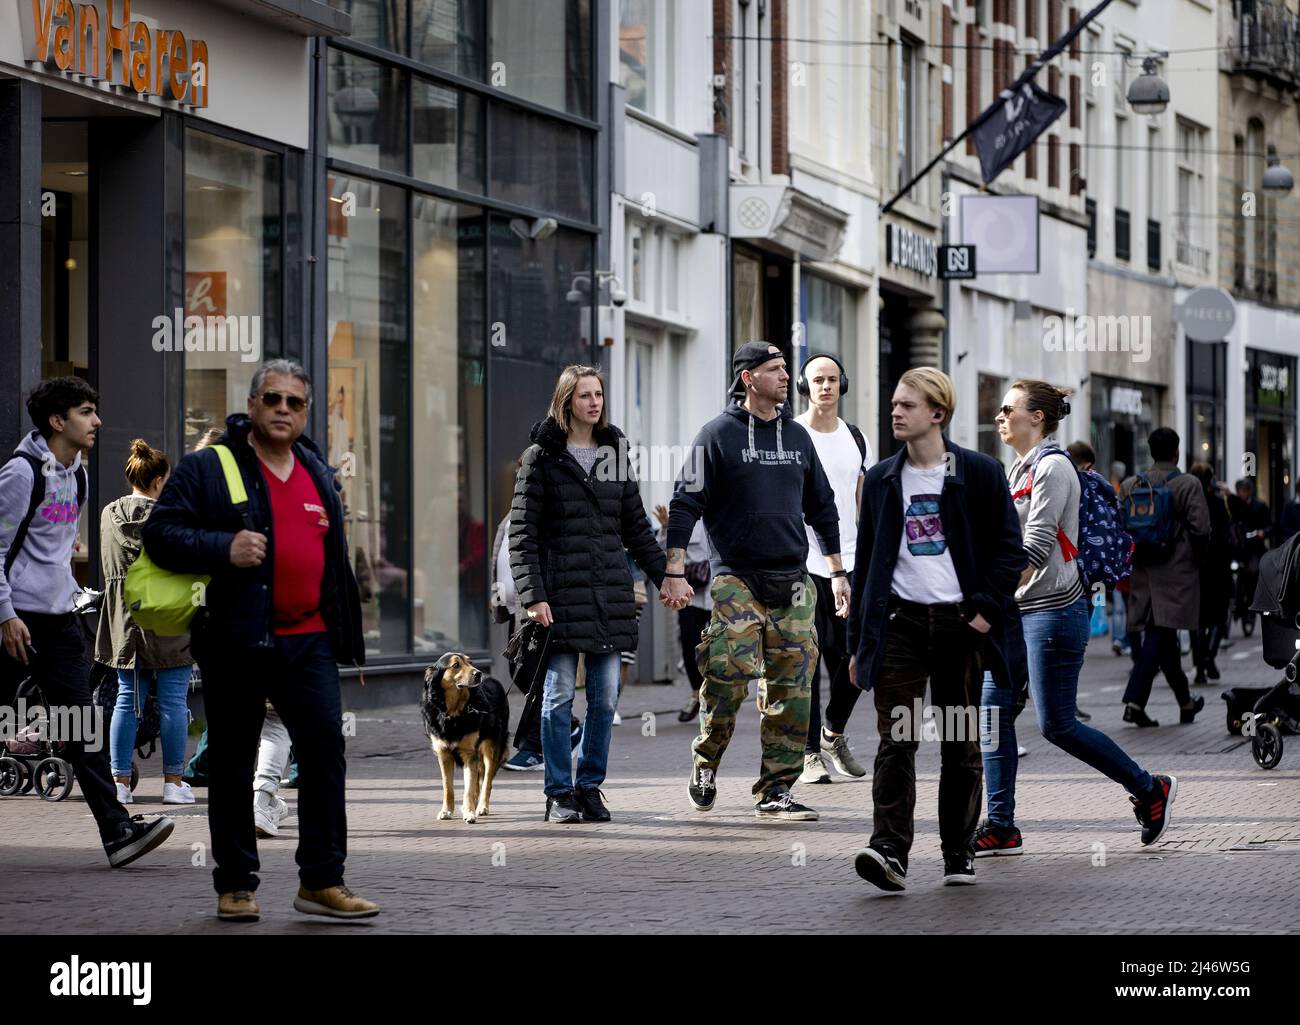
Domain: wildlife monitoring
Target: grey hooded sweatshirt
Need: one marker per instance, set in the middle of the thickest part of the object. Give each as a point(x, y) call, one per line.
point(41, 578)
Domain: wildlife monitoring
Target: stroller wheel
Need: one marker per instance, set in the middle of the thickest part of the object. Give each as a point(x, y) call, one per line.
point(135, 776)
point(12, 776)
point(53, 779)
point(1267, 745)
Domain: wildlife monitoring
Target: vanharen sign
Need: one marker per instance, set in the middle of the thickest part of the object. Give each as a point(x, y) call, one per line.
point(73, 37)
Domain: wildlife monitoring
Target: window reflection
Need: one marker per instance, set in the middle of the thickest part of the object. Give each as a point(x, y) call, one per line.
point(448, 34)
point(448, 140)
point(541, 51)
point(367, 112)
point(539, 162)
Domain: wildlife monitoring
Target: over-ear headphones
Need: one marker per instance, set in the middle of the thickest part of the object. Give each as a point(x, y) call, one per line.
point(801, 382)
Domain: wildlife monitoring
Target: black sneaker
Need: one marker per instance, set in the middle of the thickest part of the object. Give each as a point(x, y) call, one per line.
point(1186, 715)
point(1138, 716)
point(1212, 670)
point(591, 806)
point(703, 788)
point(990, 840)
point(562, 809)
point(780, 805)
point(137, 839)
point(882, 869)
point(959, 869)
point(1153, 813)
point(1200, 680)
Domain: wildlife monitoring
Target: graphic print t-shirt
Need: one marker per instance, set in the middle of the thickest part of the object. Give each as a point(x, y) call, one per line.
point(924, 572)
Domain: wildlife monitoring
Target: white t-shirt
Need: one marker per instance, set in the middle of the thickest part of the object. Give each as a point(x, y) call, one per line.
point(843, 464)
point(924, 572)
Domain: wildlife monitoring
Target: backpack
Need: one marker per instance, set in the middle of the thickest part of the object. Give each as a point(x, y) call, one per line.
point(858, 439)
point(1148, 515)
point(163, 601)
point(1105, 548)
point(34, 503)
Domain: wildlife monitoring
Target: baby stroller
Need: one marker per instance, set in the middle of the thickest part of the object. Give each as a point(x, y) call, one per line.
point(1277, 598)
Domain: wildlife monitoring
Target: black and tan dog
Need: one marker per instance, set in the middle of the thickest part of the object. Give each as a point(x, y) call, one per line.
point(467, 717)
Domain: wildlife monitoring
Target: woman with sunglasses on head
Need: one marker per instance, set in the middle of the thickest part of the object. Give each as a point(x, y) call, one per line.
point(1055, 612)
point(576, 508)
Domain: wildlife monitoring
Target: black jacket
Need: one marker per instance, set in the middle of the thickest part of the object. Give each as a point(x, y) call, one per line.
point(755, 482)
point(194, 523)
point(983, 534)
point(568, 535)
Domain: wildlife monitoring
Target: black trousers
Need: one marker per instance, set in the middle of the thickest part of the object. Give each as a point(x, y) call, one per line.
point(931, 642)
point(832, 643)
point(61, 670)
point(691, 622)
point(1160, 653)
point(300, 678)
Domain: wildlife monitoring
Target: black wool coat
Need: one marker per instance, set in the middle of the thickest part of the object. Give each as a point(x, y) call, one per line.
point(570, 535)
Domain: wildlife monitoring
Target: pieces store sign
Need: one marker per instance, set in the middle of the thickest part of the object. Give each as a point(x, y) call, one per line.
point(102, 43)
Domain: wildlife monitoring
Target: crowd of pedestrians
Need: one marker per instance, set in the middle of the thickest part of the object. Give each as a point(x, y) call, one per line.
point(789, 555)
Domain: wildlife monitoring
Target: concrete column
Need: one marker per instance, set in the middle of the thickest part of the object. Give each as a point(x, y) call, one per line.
point(926, 330)
point(20, 254)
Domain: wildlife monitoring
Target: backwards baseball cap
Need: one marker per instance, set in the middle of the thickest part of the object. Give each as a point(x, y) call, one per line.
point(750, 356)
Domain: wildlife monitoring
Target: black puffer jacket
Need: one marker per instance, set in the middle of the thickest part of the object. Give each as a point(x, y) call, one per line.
point(568, 532)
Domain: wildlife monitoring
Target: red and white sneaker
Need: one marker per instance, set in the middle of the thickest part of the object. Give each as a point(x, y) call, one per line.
point(990, 840)
point(1153, 813)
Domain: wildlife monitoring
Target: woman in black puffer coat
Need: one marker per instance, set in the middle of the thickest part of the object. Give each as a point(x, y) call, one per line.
point(576, 509)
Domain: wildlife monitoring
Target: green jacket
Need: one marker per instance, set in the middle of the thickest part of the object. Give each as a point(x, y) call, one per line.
point(119, 642)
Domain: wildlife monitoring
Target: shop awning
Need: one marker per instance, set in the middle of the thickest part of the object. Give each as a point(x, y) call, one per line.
point(303, 17)
point(789, 218)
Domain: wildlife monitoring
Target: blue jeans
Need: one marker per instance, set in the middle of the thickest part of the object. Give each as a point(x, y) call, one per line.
point(998, 711)
point(1055, 642)
point(1119, 619)
point(557, 713)
point(170, 687)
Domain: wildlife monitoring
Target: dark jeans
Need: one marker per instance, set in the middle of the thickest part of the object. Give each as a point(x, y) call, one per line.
point(1160, 652)
point(832, 642)
point(61, 670)
point(300, 678)
point(922, 642)
point(691, 622)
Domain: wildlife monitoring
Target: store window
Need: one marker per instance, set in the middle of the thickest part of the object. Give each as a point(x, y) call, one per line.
point(829, 316)
point(1123, 415)
point(1271, 426)
point(991, 391)
point(367, 112)
point(233, 273)
point(540, 50)
point(449, 414)
point(448, 136)
point(369, 381)
point(747, 318)
point(449, 34)
point(540, 162)
point(1206, 391)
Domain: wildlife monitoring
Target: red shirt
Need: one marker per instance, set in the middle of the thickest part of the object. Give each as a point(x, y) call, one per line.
point(299, 524)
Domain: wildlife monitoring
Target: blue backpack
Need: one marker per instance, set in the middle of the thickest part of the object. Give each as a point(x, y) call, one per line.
point(1105, 552)
point(1148, 515)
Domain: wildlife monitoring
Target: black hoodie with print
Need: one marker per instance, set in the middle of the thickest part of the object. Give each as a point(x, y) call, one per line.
point(755, 482)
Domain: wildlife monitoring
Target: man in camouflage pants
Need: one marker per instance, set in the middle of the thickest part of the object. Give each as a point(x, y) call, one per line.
point(755, 478)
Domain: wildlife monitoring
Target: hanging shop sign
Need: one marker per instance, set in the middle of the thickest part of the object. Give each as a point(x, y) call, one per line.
point(119, 52)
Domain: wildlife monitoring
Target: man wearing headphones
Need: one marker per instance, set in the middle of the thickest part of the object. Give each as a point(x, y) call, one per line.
point(845, 456)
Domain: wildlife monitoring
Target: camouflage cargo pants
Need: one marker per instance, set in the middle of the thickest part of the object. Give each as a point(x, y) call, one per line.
point(747, 640)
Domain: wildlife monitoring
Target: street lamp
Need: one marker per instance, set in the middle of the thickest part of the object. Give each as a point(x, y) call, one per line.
point(1148, 94)
point(1277, 179)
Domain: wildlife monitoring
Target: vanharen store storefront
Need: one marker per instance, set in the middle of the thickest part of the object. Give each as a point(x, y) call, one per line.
point(187, 188)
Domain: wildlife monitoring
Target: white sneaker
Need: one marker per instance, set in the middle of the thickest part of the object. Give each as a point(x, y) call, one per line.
point(618, 719)
point(124, 795)
point(268, 811)
point(177, 793)
point(814, 769)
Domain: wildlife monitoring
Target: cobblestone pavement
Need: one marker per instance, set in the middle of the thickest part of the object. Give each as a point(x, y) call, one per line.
point(1230, 862)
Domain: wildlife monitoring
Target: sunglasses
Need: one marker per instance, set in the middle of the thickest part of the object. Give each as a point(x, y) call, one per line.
point(1006, 411)
point(272, 399)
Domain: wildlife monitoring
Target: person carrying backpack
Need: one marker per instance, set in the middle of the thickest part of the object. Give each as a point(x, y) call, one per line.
point(142, 660)
point(43, 489)
point(1061, 520)
point(1166, 513)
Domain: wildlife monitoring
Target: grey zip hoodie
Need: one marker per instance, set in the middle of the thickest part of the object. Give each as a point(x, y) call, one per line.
point(1051, 505)
point(41, 578)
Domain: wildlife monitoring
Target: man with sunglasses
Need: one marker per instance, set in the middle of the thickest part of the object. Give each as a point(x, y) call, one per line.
point(281, 611)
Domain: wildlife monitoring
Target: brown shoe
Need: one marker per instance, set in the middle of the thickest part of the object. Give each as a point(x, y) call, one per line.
point(238, 906)
point(336, 902)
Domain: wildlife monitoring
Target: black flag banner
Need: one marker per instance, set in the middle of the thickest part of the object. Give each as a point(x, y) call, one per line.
point(1014, 122)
